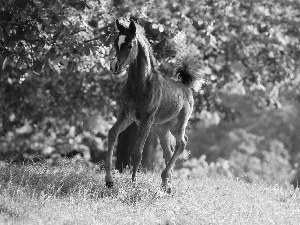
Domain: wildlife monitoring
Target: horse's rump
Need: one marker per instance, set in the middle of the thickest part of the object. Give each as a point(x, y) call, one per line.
point(175, 96)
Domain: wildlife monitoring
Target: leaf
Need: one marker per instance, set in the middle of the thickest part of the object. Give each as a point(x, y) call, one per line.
point(213, 40)
point(161, 28)
point(29, 73)
point(56, 35)
point(277, 104)
point(207, 39)
point(22, 65)
point(65, 61)
point(56, 60)
point(25, 129)
point(201, 25)
point(23, 16)
point(203, 34)
point(67, 31)
point(50, 54)
point(79, 47)
point(102, 62)
point(5, 62)
point(84, 49)
point(87, 50)
point(271, 54)
point(154, 26)
point(58, 6)
point(210, 40)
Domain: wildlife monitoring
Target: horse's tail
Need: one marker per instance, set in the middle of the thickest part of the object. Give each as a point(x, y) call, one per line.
point(188, 70)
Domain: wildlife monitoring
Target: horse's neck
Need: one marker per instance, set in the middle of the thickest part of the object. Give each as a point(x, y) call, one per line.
point(139, 73)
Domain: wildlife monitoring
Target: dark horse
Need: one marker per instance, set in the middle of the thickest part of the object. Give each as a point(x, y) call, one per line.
point(149, 100)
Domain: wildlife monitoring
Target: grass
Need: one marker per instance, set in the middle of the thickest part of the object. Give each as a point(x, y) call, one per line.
point(74, 193)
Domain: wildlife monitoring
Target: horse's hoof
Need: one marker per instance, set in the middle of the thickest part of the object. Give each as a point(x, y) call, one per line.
point(167, 189)
point(109, 184)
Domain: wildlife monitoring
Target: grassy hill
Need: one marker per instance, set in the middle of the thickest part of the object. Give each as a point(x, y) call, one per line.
point(74, 193)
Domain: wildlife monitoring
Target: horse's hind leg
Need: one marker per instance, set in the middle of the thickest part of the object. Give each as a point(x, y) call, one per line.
point(122, 123)
point(165, 138)
point(181, 141)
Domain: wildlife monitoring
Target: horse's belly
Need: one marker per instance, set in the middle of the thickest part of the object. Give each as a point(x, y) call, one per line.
point(166, 112)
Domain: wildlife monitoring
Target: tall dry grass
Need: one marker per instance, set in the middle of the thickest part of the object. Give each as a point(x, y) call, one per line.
point(74, 193)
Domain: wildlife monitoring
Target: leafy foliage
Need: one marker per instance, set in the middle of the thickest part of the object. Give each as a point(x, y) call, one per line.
point(246, 156)
point(51, 77)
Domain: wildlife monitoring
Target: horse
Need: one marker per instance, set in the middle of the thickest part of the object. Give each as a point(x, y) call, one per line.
point(148, 99)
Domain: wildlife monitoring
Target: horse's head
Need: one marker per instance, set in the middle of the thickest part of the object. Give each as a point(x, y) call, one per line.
point(126, 47)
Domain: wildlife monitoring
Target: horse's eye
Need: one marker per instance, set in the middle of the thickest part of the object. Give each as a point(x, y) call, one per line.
point(129, 46)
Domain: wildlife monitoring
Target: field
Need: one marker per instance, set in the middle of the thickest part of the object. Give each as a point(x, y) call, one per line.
point(74, 193)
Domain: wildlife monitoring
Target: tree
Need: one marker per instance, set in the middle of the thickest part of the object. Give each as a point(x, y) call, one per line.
point(55, 56)
point(51, 76)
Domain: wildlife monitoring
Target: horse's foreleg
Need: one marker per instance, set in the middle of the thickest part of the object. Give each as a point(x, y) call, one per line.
point(143, 132)
point(122, 123)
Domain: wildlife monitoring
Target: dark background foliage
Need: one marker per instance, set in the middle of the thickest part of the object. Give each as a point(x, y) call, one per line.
point(58, 97)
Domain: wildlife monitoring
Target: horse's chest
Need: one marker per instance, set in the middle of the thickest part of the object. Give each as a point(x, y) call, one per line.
point(134, 109)
point(129, 106)
point(139, 102)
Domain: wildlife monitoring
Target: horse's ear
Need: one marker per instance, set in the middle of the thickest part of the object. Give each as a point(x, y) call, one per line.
point(132, 26)
point(119, 26)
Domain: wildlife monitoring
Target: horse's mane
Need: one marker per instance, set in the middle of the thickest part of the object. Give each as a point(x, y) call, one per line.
point(146, 45)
